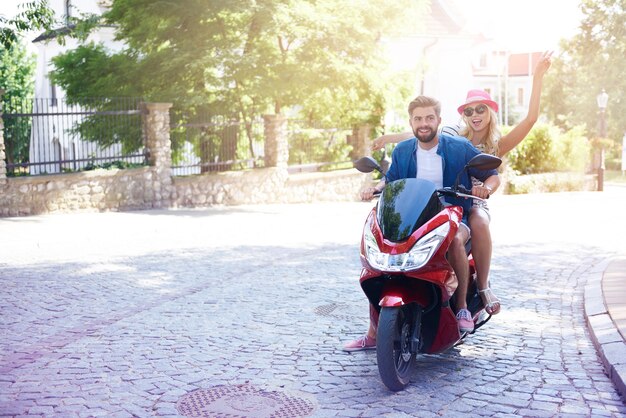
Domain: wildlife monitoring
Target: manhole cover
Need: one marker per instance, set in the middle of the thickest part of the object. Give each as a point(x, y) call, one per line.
point(334, 310)
point(243, 401)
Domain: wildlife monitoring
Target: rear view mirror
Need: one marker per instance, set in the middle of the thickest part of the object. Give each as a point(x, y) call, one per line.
point(481, 162)
point(367, 165)
point(484, 162)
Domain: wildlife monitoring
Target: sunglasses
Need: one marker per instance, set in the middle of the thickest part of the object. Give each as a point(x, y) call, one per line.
point(480, 109)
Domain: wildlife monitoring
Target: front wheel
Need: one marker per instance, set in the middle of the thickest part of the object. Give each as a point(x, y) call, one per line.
point(393, 347)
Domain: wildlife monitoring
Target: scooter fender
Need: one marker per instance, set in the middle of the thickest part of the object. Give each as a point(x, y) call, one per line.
point(394, 295)
point(391, 301)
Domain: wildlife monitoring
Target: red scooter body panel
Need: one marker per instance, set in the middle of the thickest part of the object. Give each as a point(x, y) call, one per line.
point(447, 333)
point(437, 270)
point(413, 286)
point(414, 291)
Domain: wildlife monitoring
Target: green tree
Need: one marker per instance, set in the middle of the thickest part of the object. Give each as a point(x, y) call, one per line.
point(246, 58)
point(17, 69)
point(592, 60)
point(33, 15)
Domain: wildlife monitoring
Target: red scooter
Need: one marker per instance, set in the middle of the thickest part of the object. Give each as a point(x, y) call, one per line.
point(406, 275)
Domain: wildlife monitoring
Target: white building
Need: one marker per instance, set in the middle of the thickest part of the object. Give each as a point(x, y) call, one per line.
point(448, 60)
point(50, 136)
point(508, 78)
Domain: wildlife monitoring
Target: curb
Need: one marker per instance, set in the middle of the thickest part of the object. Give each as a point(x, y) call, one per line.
point(607, 339)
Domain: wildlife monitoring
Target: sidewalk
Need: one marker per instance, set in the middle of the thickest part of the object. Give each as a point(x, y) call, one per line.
point(605, 312)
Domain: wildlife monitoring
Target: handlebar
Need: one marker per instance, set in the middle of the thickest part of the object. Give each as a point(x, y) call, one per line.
point(460, 191)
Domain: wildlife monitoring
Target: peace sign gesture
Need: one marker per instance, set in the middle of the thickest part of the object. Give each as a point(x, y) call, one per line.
point(544, 63)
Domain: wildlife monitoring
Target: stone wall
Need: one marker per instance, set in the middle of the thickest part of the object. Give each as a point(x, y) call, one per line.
point(333, 186)
point(156, 128)
point(267, 185)
point(132, 189)
point(154, 186)
point(275, 142)
point(98, 190)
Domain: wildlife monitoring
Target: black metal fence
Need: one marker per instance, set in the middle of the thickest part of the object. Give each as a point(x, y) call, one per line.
point(207, 143)
point(314, 146)
point(46, 136)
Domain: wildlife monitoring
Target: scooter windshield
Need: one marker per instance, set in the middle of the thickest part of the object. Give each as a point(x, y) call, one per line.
point(405, 205)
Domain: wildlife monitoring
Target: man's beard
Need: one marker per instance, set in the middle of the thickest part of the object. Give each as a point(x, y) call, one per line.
point(428, 138)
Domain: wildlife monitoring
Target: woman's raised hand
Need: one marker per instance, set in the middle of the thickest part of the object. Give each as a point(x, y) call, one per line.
point(544, 63)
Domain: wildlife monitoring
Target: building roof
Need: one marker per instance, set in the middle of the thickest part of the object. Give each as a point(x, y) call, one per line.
point(65, 30)
point(54, 33)
point(442, 20)
point(518, 65)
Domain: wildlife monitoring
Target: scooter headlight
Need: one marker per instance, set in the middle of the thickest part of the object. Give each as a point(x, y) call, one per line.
point(374, 256)
point(417, 256)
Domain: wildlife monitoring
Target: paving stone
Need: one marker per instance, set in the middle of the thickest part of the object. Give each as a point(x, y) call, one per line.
point(569, 408)
point(41, 410)
point(535, 413)
point(545, 406)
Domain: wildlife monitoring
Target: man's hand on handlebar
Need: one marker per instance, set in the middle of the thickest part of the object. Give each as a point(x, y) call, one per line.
point(481, 191)
point(369, 193)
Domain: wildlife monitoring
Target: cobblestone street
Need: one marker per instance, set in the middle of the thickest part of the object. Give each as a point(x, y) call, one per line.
point(161, 313)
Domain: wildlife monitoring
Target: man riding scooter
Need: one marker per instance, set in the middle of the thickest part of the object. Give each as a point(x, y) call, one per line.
point(437, 158)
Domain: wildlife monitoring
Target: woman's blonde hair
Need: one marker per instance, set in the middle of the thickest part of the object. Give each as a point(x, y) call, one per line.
point(490, 143)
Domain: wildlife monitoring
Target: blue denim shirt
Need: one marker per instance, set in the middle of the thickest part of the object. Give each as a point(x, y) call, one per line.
point(455, 152)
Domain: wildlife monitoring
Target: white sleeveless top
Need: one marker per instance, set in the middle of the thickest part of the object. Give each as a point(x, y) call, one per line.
point(476, 182)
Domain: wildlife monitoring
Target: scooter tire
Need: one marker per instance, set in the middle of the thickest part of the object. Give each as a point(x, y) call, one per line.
point(395, 362)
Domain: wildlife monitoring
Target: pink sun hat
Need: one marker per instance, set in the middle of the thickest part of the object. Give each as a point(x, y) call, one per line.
point(478, 96)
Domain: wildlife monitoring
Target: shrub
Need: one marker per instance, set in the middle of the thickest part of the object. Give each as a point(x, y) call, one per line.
point(547, 149)
point(572, 150)
point(535, 154)
point(549, 182)
point(614, 164)
point(117, 164)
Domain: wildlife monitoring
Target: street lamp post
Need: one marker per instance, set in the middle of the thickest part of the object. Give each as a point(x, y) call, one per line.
point(602, 100)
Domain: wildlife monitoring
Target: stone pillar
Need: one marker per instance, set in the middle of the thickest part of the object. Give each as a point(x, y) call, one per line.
point(156, 128)
point(276, 142)
point(360, 141)
point(3, 164)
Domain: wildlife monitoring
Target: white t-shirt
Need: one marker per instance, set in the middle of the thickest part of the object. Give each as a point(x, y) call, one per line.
point(429, 165)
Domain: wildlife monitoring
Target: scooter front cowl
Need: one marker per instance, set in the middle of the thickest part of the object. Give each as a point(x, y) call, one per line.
point(403, 291)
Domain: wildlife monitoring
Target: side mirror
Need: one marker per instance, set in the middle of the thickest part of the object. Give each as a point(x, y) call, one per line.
point(367, 165)
point(481, 162)
point(484, 162)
